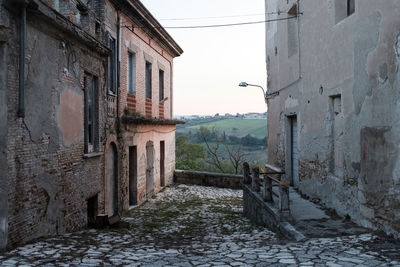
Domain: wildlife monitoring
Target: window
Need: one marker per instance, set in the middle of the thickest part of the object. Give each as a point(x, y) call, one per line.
point(161, 84)
point(337, 104)
point(112, 67)
point(343, 9)
point(292, 32)
point(350, 7)
point(131, 73)
point(148, 80)
point(91, 113)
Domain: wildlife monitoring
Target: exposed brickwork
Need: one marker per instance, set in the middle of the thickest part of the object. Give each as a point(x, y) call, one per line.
point(149, 107)
point(146, 49)
point(49, 181)
point(50, 178)
point(161, 110)
point(131, 102)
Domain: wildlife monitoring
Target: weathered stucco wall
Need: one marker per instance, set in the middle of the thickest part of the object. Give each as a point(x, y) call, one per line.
point(66, 159)
point(49, 179)
point(346, 101)
point(139, 136)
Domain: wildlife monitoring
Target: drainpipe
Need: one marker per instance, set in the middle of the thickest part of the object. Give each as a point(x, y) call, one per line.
point(171, 104)
point(21, 106)
point(118, 59)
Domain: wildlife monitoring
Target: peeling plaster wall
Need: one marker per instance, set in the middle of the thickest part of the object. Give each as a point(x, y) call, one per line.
point(138, 136)
point(349, 159)
point(49, 180)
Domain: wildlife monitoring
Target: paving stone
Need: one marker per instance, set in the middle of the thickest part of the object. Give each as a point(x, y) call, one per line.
point(240, 244)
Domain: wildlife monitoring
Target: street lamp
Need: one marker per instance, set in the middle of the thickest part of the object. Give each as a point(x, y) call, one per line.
point(244, 84)
point(266, 95)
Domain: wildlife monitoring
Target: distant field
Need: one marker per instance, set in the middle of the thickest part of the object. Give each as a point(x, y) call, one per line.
point(234, 126)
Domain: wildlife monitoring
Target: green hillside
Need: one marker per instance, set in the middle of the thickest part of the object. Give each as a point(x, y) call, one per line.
point(236, 126)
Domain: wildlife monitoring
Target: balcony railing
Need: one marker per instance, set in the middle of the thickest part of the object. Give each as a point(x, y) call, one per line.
point(111, 105)
point(264, 185)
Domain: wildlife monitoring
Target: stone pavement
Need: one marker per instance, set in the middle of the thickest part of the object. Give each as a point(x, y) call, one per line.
point(314, 221)
point(199, 226)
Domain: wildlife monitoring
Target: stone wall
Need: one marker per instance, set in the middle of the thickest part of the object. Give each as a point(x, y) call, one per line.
point(68, 153)
point(50, 178)
point(342, 88)
point(208, 179)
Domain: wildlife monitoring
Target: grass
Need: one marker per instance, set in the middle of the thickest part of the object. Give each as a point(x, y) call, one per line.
point(235, 126)
point(185, 219)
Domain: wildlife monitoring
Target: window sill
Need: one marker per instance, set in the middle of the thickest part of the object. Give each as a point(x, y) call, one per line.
point(111, 93)
point(93, 155)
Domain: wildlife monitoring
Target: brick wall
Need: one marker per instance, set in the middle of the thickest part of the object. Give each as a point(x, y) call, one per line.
point(49, 179)
point(146, 49)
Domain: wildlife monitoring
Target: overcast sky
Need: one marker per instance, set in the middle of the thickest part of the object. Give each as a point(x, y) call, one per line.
point(215, 60)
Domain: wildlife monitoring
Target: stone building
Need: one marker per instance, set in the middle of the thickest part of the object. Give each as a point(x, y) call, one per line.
point(63, 157)
point(333, 104)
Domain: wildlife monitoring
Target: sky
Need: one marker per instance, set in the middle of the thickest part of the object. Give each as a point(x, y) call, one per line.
point(215, 60)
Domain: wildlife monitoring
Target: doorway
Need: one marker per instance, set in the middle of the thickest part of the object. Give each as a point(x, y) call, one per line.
point(294, 163)
point(150, 169)
point(92, 207)
point(162, 163)
point(112, 180)
point(132, 175)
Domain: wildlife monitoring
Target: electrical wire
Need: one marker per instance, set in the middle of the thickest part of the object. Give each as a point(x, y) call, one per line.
point(231, 16)
point(156, 131)
point(218, 25)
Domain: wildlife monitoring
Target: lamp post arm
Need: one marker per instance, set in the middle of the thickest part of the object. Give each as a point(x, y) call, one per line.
point(264, 93)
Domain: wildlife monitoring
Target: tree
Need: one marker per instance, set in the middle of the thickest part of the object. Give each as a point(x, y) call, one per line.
point(234, 153)
point(212, 150)
point(189, 156)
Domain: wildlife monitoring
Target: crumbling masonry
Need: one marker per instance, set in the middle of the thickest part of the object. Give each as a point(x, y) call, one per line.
point(72, 143)
point(334, 108)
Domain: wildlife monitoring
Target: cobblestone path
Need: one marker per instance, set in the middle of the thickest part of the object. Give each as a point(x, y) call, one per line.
point(198, 226)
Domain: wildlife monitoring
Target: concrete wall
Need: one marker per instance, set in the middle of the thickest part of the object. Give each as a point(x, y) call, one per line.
point(343, 87)
point(209, 179)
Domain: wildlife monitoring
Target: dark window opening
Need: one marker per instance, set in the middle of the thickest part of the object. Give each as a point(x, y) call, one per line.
point(131, 73)
point(148, 79)
point(97, 28)
point(350, 7)
point(92, 207)
point(343, 9)
point(162, 163)
point(91, 113)
point(112, 67)
point(132, 175)
point(161, 85)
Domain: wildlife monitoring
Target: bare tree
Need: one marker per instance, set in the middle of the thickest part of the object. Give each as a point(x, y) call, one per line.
point(235, 154)
point(212, 150)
